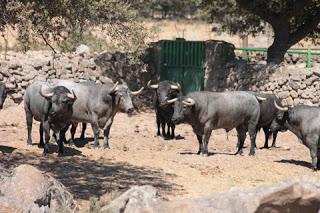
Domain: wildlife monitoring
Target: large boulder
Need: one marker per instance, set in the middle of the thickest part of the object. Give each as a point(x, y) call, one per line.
point(299, 194)
point(28, 189)
point(133, 200)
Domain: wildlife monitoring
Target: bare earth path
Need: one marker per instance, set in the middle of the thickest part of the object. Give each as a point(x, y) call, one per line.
point(138, 157)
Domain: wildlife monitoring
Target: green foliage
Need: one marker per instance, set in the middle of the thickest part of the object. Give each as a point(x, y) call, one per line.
point(60, 21)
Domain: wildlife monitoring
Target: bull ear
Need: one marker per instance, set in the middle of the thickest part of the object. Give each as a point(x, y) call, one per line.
point(45, 94)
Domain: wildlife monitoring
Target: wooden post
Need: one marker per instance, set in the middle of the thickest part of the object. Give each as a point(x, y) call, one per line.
point(245, 54)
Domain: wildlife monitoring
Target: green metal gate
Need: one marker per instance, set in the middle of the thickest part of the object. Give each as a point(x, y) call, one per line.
point(183, 61)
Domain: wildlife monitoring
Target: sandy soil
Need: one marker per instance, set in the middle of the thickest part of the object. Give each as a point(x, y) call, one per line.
point(138, 157)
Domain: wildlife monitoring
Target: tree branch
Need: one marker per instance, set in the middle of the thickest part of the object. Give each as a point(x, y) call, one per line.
point(309, 26)
point(47, 43)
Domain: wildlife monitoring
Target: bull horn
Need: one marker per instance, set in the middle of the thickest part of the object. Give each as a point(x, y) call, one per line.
point(137, 92)
point(172, 100)
point(260, 98)
point(72, 96)
point(44, 94)
point(154, 86)
point(175, 87)
point(189, 102)
point(114, 88)
point(279, 107)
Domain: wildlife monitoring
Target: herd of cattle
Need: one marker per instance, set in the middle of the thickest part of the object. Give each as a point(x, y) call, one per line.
point(65, 103)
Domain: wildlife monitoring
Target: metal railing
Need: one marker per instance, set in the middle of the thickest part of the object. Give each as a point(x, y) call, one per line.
point(309, 52)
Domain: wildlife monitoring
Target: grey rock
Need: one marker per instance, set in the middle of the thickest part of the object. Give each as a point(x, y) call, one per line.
point(82, 49)
point(294, 85)
point(35, 191)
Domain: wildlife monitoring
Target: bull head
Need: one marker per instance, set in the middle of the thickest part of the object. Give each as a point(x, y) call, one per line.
point(189, 102)
point(44, 94)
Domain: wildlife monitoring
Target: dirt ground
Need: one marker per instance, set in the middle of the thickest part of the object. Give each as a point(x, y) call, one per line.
point(138, 157)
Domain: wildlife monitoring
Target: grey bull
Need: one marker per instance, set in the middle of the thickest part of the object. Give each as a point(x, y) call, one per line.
point(98, 104)
point(268, 112)
point(52, 107)
point(304, 122)
point(206, 111)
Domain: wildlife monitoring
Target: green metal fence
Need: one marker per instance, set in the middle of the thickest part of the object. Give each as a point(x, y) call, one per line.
point(183, 61)
point(309, 52)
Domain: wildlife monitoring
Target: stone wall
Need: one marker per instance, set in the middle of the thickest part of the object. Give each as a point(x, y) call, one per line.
point(293, 83)
point(18, 70)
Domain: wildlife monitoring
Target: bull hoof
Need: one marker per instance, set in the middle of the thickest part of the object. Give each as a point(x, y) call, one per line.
point(96, 147)
point(239, 152)
point(264, 147)
point(204, 154)
point(315, 169)
point(251, 154)
point(40, 145)
point(106, 148)
point(199, 152)
point(60, 154)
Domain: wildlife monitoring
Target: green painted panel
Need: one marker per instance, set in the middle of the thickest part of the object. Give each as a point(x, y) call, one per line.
point(183, 61)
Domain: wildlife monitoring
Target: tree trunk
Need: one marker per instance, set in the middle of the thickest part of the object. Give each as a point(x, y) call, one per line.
point(279, 46)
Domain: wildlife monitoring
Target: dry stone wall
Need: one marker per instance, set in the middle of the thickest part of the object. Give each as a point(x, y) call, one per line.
point(293, 83)
point(18, 70)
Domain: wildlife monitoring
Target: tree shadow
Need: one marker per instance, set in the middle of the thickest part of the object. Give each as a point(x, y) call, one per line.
point(86, 178)
point(296, 162)
point(82, 142)
point(209, 154)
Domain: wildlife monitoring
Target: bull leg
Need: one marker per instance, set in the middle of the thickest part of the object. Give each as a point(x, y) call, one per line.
point(252, 133)
point(172, 130)
point(46, 129)
point(312, 143)
point(274, 139)
point(318, 156)
point(241, 132)
point(106, 133)
point(169, 126)
point(267, 135)
point(95, 129)
point(158, 124)
point(205, 141)
point(163, 127)
point(73, 129)
point(41, 144)
point(62, 135)
point(199, 137)
point(60, 143)
point(84, 127)
point(29, 119)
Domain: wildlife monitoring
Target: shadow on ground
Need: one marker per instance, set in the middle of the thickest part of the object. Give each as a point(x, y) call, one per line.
point(296, 162)
point(87, 178)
